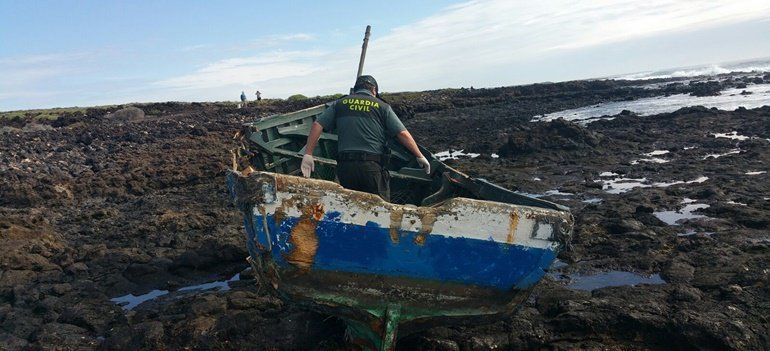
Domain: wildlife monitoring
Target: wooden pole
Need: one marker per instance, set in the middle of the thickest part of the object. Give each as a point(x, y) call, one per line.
point(363, 51)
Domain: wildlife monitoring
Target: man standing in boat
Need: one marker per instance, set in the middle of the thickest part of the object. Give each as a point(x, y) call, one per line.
point(363, 123)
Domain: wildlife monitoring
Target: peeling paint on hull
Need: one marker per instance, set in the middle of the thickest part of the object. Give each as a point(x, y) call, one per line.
point(369, 249)
point(356, 256)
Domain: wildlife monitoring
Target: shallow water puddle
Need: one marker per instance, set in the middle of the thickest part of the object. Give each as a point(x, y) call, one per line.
point(454, 154)
point(674, 217)
point(691, 232)
point(130, 301)
point(622, 185)
point(222, 285)
point(602, 279)
point(590, 282)
point(651, 157)
point(556, 192)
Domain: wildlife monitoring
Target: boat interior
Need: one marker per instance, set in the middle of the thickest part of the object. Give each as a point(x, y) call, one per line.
point(277, 144)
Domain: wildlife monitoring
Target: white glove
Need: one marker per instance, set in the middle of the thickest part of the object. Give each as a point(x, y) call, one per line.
point(424, 164)
point(308, 166)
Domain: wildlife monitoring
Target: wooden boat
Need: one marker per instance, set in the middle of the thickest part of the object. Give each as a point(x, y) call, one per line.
point(448, 248)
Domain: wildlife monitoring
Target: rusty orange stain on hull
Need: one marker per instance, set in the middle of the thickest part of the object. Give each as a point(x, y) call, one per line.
point(303, 237)
point(427, 219)
point(396, 216)
point(512, 227)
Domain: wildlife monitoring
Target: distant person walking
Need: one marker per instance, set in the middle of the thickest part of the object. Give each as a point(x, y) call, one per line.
point(259, 95)
point(243, 99)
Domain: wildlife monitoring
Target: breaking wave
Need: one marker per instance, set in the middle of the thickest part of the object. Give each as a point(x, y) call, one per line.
point(707, 70)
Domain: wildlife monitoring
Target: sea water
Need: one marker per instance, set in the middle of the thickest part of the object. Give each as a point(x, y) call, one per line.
point(730, 99)
point(130, 301)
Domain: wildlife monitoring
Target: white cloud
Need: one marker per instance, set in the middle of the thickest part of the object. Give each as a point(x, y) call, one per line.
point(479, 34)
point(294, 36)
point(25, 76)
point(480, 43)
point(42, 59)
point(195, 47)
point(246, 71)
point(471, 39)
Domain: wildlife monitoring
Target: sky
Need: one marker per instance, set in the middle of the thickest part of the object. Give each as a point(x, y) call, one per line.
point(83, 53)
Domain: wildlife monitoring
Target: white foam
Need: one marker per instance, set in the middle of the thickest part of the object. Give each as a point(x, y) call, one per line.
point(608, 174)
point(731, 202)
point(755, 172)
point(454, 154)
point(495, 156)
point(732, 135)
point(656, 153)
point(650, 160)
point(689, 147)
point(695, 71)
point(731, 152)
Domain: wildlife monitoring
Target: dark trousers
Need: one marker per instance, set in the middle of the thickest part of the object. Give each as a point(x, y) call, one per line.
point(367, 176)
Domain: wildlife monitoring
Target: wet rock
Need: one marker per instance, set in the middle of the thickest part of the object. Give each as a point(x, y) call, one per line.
point(101, 199)
point(77, 267)
point(678, 272)
point(686, 293)
point(556, 135)
point(92, 317)
point(244, 300)
point(209, 304)
point(559, 301)
point(247, 274)
point(143, 336)
point(64, 337)
point(487, 342)
point(199, 131)
point(710, 88)
point(624, 226)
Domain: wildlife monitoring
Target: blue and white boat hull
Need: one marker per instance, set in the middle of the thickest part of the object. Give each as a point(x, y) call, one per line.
point(355, 255)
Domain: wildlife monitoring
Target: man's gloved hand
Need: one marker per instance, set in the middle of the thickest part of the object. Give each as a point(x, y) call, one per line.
point(424, 164)
point(308, 165)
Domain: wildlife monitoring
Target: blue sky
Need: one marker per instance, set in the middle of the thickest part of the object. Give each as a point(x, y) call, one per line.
point(81, 53)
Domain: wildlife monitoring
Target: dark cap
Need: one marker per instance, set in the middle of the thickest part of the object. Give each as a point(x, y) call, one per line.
point(365, 82)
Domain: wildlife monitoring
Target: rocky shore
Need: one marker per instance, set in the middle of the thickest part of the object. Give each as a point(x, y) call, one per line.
point(671, 249)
